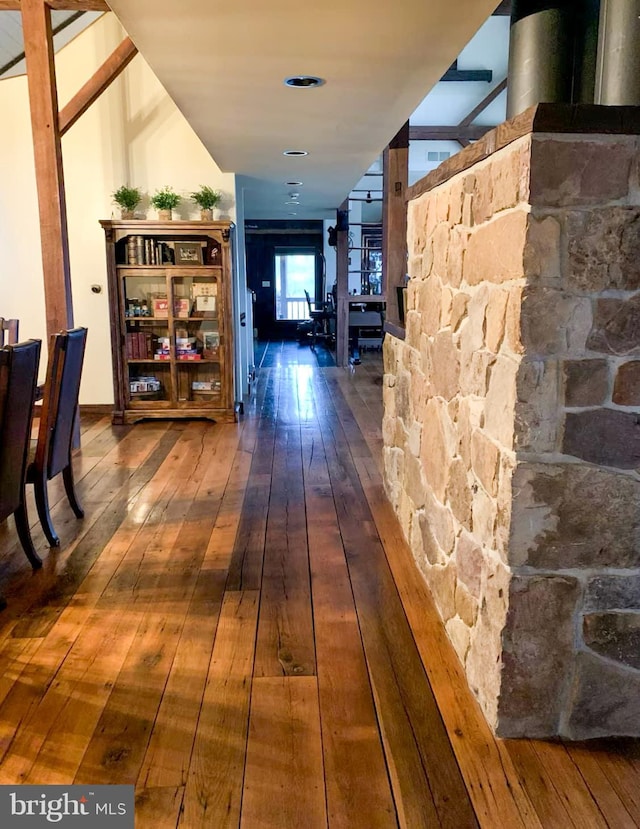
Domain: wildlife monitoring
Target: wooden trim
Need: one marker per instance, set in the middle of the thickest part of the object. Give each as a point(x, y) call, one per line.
point(96, 408)
point(43, 101)
point(484, 103)
point(96, 85)
point(396, 331)
point(454, 132)
point(581, 119)
point(60, 5)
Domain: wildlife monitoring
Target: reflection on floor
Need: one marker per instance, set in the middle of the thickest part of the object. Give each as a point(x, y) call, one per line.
point(285, 353)
point(238, 628)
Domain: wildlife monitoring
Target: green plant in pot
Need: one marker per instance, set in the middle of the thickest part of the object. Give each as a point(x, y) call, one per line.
point(206, 198)
point(164, 200)
point(127, 199)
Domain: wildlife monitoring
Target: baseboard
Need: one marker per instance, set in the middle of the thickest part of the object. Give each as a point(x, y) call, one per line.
point(96, 408)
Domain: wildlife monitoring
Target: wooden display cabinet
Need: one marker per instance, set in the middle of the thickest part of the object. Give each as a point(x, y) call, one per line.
point(171, 323)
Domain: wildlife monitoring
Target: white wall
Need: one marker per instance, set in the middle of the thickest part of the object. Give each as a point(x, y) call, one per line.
point(133, 134)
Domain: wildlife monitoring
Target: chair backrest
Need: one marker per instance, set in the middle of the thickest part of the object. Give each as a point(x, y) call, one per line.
point(306, 293)
point(60, 400)
point(11, 329)
point(18, 380)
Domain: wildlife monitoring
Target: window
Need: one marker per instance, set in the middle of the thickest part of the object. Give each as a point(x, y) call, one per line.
point(295, 274)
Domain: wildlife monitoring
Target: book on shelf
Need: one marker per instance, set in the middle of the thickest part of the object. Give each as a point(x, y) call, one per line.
point(138, 345)
point(143, 250)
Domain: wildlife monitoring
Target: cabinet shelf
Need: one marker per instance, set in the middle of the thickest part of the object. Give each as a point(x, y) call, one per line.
point(146, 387)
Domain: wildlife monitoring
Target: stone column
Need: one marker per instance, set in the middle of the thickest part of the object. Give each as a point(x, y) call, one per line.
point(512, 444)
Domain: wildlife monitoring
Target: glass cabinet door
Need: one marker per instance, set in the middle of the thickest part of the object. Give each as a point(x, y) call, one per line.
point(199, 338)
point(147, 346)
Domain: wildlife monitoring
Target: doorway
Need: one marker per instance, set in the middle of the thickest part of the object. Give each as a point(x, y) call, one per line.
point(295, 274)
point(283, 259)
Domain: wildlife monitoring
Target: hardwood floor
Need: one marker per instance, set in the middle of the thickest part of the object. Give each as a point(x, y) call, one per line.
point(238, 629)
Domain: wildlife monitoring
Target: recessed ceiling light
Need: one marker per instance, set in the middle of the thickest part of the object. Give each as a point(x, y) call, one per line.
point(293, 214)
point(294, 183)
point(304, 81)
point(297, 203)
point(295, 152)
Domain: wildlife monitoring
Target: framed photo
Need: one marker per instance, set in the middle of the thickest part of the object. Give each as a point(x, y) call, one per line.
point(188, 253)
point(205, 306)
point(210, 344)
point(204, 289)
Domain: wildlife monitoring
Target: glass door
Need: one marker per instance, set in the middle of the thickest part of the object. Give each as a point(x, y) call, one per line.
point(295, 277)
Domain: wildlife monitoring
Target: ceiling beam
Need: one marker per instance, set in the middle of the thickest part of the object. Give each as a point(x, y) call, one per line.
point(60, 5)
point(43, 102)
point(504, 8)
point(56, 30)
point(484, 103)
point(95, 86)
point(485, 75)
point(455, 132)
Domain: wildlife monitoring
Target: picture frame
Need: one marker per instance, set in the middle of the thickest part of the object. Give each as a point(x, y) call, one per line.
point(204, 289)
point(205, 306)
point(210, 344)
point(188, 253)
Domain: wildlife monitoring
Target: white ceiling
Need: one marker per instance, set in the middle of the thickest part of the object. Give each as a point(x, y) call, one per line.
point(65, 25)
point(224, 65)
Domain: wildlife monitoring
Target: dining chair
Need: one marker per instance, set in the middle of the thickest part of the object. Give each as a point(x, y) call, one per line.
point(18, 378)
point(11, 327)
point(57, 421)
point(319, 318)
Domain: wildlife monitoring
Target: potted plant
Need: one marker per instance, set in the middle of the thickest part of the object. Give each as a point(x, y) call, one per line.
point(206, 198)
point(127, 199)
point(164, 200)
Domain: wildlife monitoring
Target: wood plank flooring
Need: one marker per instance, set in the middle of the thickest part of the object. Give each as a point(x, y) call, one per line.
point(238, 629)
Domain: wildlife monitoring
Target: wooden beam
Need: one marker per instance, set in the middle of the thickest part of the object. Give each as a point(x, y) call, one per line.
point(395, 165)
point(61, 5)
point(95, 86)
point(43, 100)
point(484, 103)
point(504, 8)
point(485, 75)
point(342, 285)
point(79, 5)
point(448, 133)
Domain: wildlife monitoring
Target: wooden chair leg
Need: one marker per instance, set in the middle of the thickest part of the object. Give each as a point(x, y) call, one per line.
point(24, 534)
point(42, 503)
point(69, 487)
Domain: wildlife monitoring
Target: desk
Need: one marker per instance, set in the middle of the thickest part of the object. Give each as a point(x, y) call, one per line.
point(365, 331)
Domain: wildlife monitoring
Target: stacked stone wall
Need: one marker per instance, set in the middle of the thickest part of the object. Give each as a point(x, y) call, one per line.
point(512, 443)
